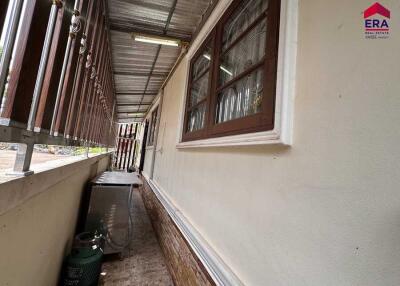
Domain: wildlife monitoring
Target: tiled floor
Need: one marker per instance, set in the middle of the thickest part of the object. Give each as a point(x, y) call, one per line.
point(144, 263)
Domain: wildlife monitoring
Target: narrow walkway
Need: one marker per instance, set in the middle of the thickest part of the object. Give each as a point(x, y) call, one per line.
point(144, 264)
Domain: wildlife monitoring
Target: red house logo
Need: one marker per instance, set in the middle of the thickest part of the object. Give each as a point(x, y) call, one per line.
point(376, 9)
point(376, 21)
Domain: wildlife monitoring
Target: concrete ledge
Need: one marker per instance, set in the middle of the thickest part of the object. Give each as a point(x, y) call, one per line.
point(17, 191)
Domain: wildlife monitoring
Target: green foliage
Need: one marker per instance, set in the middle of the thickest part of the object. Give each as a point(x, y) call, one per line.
point(92, 150)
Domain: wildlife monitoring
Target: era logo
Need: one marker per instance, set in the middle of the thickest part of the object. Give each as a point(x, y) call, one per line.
point(376, 22)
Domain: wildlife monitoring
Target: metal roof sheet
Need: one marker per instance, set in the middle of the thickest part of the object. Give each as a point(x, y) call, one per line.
point(140, 68)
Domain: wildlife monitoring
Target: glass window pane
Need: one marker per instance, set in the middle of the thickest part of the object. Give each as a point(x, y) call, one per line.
point(202, 62)
point(152, 129)
point(246, 53)
point(241, 19)
point(242, 98)
point(199, 90)
point(196, 118)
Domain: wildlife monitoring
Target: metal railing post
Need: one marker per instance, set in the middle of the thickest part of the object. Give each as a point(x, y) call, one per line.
point(73, 31)
point(87, 146)
point(43, 63)
point(23, 159)
point(111, 125)
point(14, 12)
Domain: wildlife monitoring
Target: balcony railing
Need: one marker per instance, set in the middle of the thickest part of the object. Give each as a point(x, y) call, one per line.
point(56, 83)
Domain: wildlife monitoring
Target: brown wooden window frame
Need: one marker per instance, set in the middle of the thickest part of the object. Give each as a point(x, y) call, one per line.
point(261, 121)
point(152, 127)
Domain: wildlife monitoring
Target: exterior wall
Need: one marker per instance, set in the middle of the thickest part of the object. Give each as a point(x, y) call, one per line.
point(149, 149)
point(324, 211)
point(36, 234)
point(184, 266)
point(147, 162)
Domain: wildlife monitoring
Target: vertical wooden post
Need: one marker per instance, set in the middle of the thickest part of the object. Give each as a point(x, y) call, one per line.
point(71, 71)
point(129, 147)
point(48, 92)
point(124, 145)
point(76, 101)
point(134, 145)
point(26, 64)
point(118, 146)
point(92, 90)
point(88, 69)
point(3, 11)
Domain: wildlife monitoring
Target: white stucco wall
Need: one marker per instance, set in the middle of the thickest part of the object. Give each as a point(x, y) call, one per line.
point(325, 211)
point(147, 162)
point(38, 216)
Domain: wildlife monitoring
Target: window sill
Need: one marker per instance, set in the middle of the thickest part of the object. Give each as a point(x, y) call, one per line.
point(258, 138)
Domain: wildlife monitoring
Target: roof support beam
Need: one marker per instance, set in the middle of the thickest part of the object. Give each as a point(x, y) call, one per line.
point(122, 113)
point(171, 12)
point(147, 30)
point(161, 75)
point(137, 118)
point(132, 104)
point(127, 92)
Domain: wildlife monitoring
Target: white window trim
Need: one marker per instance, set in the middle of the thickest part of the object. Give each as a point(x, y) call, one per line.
point(285, 88)
point(148, 117)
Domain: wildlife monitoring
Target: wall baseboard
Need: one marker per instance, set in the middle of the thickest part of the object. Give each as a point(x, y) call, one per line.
point(216, 269)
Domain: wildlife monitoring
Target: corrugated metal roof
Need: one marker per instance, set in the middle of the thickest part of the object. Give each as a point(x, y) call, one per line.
point(140, 68)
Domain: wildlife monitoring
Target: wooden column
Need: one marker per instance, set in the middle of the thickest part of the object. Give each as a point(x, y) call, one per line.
point(83, 93)
point(92, 90)
point(118, 146)
point(53, 68)
point(3, 12)
point(131, 141)
point(90, 80)
point(123, 147)
point(70, 72)
point(26, 62)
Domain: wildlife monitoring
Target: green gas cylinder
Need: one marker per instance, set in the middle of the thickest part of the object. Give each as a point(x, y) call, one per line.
point(83, 265)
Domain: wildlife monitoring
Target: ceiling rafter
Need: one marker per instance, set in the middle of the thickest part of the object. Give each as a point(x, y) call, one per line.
point(132, 104)
point(149, 30)
point(125, 73)
point(171, 12)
